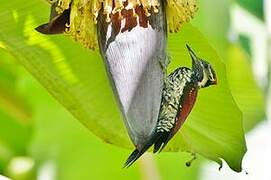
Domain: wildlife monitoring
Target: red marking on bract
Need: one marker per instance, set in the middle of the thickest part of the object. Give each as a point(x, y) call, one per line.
point(131, 19)
point(189, 101)
point(143, 19)
point(116, 23)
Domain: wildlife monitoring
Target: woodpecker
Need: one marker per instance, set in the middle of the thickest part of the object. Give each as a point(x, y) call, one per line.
point(178, 98)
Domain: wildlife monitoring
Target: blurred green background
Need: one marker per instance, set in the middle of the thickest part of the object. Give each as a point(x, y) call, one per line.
point(40, 139)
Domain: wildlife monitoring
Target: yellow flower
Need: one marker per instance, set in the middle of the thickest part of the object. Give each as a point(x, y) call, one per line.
point(84, 13)
point(178, 12)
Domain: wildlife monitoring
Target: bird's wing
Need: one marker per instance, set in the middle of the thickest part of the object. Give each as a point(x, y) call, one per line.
point(133, 54)
point(187, 101)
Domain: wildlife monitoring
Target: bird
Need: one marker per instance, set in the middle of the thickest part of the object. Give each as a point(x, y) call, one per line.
point(178, 98)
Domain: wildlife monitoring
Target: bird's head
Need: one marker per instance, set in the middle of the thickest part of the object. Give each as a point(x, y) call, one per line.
point(202, 70)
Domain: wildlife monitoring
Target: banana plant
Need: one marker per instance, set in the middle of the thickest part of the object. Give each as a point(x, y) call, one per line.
point(77, 79)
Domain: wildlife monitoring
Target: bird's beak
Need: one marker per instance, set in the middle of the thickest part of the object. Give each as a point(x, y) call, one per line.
point(192, 54)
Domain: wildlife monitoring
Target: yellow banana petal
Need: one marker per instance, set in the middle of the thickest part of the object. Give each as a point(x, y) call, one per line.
point(180, 12)
point(84, 13)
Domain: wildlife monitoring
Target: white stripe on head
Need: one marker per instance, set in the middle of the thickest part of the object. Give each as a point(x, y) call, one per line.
point(205, 76)
point(210, 73)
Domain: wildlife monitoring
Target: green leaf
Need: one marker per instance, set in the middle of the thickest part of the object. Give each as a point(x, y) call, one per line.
point(245, 44)
point(253, 6)
point(248, 95)
point(77, 79)
point(14, 113)
point(10, 101)
point(214, 14)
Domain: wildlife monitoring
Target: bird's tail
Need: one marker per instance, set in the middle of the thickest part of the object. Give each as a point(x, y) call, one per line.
point(157, 139)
